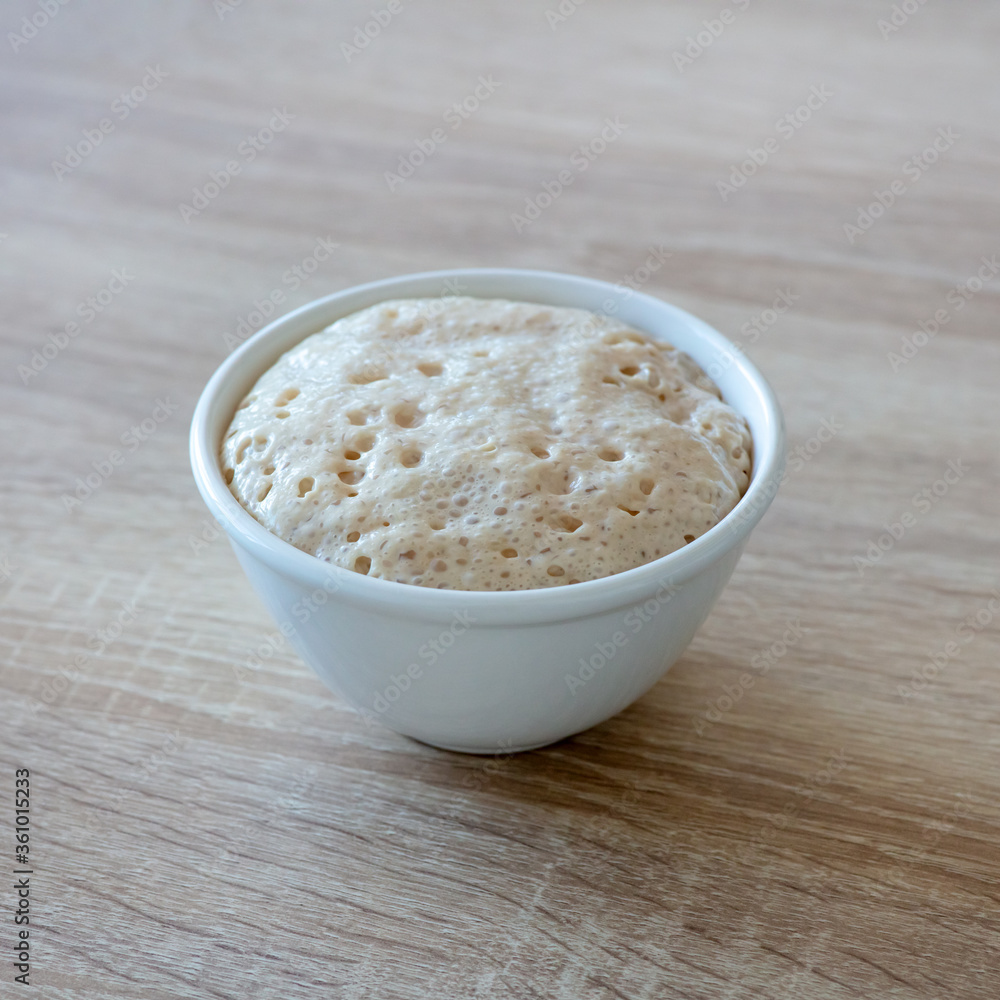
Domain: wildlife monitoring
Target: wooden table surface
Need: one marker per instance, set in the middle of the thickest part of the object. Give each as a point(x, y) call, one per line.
point(807, 805)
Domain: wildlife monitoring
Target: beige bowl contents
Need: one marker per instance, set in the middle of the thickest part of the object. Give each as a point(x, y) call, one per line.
point(481, 444)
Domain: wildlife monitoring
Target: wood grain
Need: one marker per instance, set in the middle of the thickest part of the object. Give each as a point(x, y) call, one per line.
point(807, 805)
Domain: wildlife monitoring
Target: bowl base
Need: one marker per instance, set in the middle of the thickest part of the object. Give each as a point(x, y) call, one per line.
point(478, 751)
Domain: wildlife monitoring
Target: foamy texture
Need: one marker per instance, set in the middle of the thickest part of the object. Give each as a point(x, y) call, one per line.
point(485, 445)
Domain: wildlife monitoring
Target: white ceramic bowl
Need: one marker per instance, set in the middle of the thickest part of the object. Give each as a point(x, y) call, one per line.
point(491, 672)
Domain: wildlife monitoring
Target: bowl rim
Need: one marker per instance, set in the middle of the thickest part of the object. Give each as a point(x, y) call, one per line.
point(512, 607)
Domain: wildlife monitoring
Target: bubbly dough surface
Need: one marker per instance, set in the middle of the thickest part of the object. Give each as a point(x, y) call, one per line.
point(479, 444)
